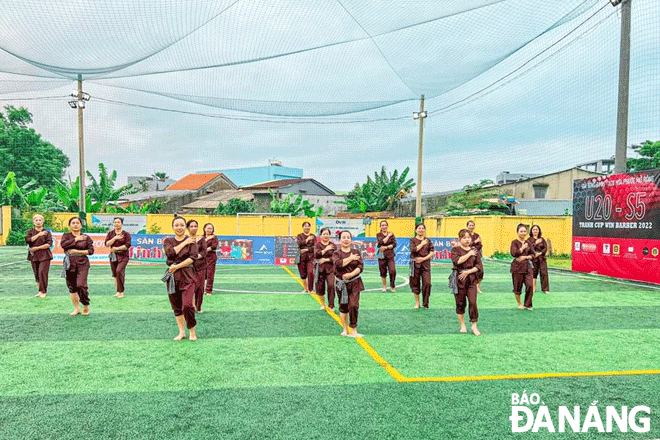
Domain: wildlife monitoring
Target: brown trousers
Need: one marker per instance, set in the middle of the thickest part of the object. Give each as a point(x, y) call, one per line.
point(353, 306)
point(387, 265)
point(118, 269)
point(541, 268)
point(210, 276)
point(520, 279)
point(199, 288)
point(306, 269)
point(422, 274)
point(40, 269)
point(469, 293)
point(329, 279)
point(182, 302)
point(76, 282)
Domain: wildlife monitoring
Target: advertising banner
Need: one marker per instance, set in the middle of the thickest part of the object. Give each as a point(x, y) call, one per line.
point(355, 226)
point(615, 225)
point(286, 250)
point(133, 224)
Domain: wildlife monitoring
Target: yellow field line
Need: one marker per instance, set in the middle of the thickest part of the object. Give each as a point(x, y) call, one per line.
point(361, 342)
point(396, 375)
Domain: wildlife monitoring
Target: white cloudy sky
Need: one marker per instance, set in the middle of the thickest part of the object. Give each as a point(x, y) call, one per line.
point(330, 86)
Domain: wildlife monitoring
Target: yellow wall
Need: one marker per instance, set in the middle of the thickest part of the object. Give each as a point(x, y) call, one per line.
point(6, 224)
point(496, 232)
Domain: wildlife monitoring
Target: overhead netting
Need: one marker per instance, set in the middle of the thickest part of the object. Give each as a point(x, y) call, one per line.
point(526, 86)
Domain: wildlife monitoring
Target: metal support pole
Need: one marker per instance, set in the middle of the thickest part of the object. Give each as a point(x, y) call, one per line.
point(81, 149)
point(420, 154)
point(624, 87)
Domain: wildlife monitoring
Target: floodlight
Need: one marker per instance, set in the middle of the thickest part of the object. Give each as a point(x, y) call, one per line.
point(73, 104)
point(615, 2)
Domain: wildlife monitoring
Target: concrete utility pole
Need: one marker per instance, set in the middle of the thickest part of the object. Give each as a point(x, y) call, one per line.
point(624, 87)
point(420, 155)
point(81, 145)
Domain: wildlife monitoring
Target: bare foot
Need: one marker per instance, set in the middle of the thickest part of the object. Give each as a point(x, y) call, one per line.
point(545, 291)
point(179, 337)
point(193, 335)
point(392, 289)
point(322, 307)
point(85, 311)
point(200, 311)
point(479, 290)
point(120, 295)
point(476, 332)
point(383, 290)
point(355, 334)
point(528, 308)
point(416, 306)
point(75, 312)
point(42, 295)
point(38, 294)
point(344, 333)
point(520, 306)
point(208, 294)
point(462, 330)
point(117, 294)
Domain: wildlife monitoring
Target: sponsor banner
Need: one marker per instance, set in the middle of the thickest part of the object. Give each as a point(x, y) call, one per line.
point(336, 225)
point(618, 206)
point(133, 224)
point(148, 248)
point(616, 225)
point(286, 250)
point(629, 258)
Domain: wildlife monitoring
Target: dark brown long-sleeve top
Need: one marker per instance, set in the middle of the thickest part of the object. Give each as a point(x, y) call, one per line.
point(474, 261)
point(41, 254)
point(211, 256)
point(341, 270)
point(125, 240)
point(189, 251)
point(539, 245)
point(319, 253)
point(69, 242)
point(423, 252)
point(200, 258)
point(476, 245)
point(524, 265)
point(391, 240)
point(304, 243)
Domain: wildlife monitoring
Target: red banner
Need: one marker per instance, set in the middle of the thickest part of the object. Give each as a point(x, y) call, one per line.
point(616, 225)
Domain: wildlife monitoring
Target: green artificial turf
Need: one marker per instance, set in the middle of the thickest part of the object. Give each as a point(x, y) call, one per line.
point(269, 364)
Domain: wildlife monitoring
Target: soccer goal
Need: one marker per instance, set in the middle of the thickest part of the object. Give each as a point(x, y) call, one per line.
point(267, 223)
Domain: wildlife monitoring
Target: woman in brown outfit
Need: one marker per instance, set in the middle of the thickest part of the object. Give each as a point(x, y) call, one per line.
point(119, 242)
point(180, 251)
point(386, 257)
point(324, 269)
point(348, 269)
point(478, 245)
point(521, 267)
point(306, 242)
point(39, 242)
point(421, 252)
point(467, 263)
point(77, 246)
point(540, 247)
point(199, 264)
point(211, 256)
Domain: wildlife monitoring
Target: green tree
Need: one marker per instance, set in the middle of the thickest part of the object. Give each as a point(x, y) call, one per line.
point(24, 152)
point(234, 206)
point(103, 190)
point(68, 194)
point(473, 199)
point(650, 156)
point(380, 194)
point(293, 205)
